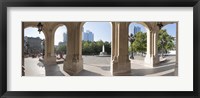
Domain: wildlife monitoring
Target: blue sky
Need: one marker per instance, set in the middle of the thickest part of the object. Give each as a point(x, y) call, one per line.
point(33, 32)
point(171, 28)
point(131, 27)
point(101, 30)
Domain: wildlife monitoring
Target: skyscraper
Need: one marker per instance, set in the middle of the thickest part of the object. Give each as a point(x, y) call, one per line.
point(88, 36)
point(64, 37)
point(85, 36)
point(136, 29)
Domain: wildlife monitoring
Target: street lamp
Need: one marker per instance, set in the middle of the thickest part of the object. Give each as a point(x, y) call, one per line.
point(40, 27)
point(131, 39)
point(160, 25)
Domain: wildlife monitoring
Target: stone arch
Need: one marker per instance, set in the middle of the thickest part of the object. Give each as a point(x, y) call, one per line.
point(146, 26)
point(166, 23)
point(55, 26)
point(30, 24)
point(82, 23)
point(177, 33)
point(111, 25)
point(151, 54)
point(34, 25)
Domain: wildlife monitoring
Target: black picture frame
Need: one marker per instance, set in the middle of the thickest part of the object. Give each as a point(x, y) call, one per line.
point(100, 3)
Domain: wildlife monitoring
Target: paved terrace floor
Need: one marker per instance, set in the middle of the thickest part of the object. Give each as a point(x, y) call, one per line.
point(100, 66)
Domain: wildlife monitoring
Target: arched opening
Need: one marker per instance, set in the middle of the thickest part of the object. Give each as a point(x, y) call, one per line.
point(33, 51)
point(60, 42)
point(33, 42)
point(159, 58)
point(137, 40)
point(138, 32)
point(167, 44)
point(167, 40)
point(96, 48)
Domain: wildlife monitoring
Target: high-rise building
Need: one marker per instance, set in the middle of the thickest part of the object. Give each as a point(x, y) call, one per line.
point(85, 36)
point(88, 36)
point(64, 37)
point(83, 33)
point(136, 29)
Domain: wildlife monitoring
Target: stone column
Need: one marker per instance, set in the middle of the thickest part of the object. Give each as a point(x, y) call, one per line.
point(49, 58)
point(176, 66)
point(152, 57)
point(155, 53)
point(149, 55)
point(113, 40)
point(73, 63)
point(116, 46)
point(120, 62)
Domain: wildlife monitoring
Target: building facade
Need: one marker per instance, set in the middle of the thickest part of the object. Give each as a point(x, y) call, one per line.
point(33, 44)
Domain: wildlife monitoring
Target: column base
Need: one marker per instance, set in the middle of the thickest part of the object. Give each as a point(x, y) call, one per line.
point(148, 60)
point(151, 61)
point(73, 67)
point(156, 60)
point(50, 60)
point(120, 68)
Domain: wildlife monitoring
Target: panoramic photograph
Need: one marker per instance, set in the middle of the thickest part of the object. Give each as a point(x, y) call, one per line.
point(100, 48)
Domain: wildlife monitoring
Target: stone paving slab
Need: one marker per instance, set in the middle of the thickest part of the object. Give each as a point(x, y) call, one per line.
point(100, 66)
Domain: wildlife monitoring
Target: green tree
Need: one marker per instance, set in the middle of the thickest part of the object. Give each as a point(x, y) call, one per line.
point(165, 42)
point(99, 45)
point(107, 47)
point(61, 48)
point(86, 48)
point(94, 48)
point(140, 43)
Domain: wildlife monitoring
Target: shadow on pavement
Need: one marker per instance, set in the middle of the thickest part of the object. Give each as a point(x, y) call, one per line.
point(87, 73)
point(40, 64)
point(53, 70)
point(106, 68)
point(143, 72)
point(169, 74)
